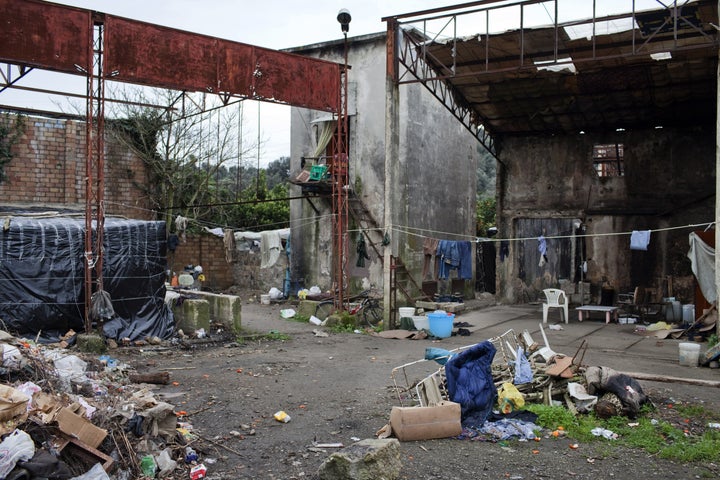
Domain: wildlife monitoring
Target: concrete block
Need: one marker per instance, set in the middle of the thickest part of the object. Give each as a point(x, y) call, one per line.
point(193, 314)
point(307, 307)
point(369, 459)
point(224, 309)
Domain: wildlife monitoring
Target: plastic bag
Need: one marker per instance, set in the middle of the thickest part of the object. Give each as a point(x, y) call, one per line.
point(275, 293)
point(165, 462)
point(523, 372)
point(19, 446)
point(95, 473)
point(509, 398)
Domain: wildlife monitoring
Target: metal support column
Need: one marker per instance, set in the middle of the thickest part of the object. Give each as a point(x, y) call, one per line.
point(94, 168)
point(340, 181)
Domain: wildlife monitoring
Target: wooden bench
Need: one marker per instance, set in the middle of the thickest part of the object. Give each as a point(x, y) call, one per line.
point(598, 308)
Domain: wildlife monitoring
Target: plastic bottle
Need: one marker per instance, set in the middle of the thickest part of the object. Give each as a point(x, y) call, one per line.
point(148, 466)
point(191, 455)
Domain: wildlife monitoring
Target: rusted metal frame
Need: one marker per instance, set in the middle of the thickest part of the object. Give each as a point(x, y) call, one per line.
point(81, 95)
point(675, 17)
point(464, 114)
point(576, 61)
point(8, 80)
point(340, 181)
point(557, 26)
point(419, 69)
point(94, 165)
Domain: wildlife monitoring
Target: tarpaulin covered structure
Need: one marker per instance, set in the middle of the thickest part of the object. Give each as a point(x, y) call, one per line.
point(42, 277)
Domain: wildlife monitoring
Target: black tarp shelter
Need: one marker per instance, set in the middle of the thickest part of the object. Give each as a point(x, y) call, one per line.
point(42, 276)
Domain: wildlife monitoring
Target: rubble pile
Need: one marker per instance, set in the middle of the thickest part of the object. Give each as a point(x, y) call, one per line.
point(65, 415)
point(493, 380)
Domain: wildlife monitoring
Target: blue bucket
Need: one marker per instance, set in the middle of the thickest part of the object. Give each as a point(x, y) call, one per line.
point(441, 324)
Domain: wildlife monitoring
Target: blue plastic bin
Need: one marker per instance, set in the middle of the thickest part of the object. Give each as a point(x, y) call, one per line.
point(441, 324)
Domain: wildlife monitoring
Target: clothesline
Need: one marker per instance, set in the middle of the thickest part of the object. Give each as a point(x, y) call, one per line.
point(440, 234)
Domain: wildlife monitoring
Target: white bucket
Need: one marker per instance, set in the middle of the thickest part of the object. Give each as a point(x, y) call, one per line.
point(265, 299)
point(689, 354)
point(421, 322)
point(406, 311)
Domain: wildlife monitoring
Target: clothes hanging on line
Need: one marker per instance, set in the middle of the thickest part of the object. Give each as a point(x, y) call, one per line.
point(455, 255)
point(430, 246)
point(542, 248)
point(639, 240)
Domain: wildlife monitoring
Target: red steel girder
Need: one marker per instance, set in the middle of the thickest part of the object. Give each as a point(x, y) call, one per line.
point(45, 35)
point(55, 37)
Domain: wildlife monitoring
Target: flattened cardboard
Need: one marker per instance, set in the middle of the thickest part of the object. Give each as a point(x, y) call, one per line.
point(78, 427)
point(425, 423)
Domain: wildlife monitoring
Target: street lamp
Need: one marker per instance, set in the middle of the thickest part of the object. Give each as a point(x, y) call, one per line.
point(340, 172)
point(344, 18)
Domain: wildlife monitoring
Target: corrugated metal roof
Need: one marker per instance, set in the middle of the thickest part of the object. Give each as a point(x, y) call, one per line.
point(610, 81)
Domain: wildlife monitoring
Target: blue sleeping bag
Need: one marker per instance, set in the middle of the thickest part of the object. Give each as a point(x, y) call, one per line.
point(470, 383)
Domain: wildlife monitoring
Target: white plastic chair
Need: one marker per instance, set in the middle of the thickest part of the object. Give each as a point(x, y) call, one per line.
point(555, 299)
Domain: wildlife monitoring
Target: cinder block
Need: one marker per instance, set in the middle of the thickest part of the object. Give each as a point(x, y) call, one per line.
point(193, 314)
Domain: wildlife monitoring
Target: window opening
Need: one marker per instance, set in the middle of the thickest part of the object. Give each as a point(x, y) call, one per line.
point(608, 160)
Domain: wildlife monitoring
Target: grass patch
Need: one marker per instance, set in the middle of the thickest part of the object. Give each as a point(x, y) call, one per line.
point(655, 436)
point(272, 335)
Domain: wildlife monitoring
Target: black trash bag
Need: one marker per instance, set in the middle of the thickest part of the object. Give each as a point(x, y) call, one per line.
point(45, 465)
point(602, 380)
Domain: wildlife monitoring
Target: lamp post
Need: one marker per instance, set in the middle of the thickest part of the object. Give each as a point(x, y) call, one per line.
point(340, 173)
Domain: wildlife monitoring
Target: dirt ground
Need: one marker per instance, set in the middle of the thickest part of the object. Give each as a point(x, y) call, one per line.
point(339, 389)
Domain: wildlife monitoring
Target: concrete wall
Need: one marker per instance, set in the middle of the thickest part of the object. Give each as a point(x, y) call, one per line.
point(435, 192)
point(48, 169)
point(669, 182)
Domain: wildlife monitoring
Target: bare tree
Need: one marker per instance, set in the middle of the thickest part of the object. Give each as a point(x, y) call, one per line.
point(186, 146)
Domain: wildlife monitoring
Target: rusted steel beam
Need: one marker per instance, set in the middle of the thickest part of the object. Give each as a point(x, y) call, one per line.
point(55, 37)
point(44, 35)
point(147, 54)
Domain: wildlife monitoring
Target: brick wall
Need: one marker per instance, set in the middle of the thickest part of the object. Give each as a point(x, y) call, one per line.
point(48, 169)
point(208, 251)
point(243, 275)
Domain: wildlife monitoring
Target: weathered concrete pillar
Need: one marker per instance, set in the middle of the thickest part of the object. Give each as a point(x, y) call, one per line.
point(392, 153)
point(370, 459)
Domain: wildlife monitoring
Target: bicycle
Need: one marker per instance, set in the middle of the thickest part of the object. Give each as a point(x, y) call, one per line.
point(369, 307)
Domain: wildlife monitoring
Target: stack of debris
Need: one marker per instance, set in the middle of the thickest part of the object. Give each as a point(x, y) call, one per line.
point(491, 381)
point(63, 416)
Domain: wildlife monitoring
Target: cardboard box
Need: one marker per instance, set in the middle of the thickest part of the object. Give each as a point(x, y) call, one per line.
point(425, 423)
point(78, 427)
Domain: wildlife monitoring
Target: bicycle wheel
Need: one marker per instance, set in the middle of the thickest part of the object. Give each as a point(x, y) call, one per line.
point(373, 313)
point(324, 310)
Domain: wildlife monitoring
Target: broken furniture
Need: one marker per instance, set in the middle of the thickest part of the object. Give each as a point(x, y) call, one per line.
point(642, 304)
point(608, 311)
point(555, 298)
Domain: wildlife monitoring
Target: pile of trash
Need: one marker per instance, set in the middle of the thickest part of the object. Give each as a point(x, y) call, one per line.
point(63, 416)
point(494, 379)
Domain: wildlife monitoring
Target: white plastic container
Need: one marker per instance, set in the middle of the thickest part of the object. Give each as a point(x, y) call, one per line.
point(265, 299)
point(688, 313)
point(421, 322)
point(406, 312)
point(689, 354)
